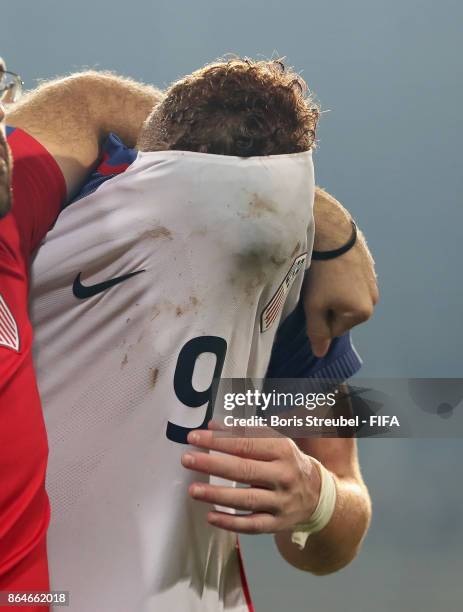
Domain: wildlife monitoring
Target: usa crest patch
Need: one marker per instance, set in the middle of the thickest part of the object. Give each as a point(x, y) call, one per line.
point(273, 308)
point(9, 335)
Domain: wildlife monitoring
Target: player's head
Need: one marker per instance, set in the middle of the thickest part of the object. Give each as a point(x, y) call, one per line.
point(5, 160)
point(237, 107)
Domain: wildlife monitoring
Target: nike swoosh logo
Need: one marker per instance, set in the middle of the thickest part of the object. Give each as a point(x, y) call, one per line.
point(83, 292)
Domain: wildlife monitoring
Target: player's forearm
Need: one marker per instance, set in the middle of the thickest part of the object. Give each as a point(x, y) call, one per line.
point(338, 543)
point(71, 116)
point(332, 223)
point(118, 104)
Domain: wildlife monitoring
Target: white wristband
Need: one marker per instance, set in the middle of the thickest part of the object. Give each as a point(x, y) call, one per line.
point(323, 512)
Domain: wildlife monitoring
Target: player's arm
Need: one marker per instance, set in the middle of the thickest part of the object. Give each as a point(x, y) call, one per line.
point(283, 492)
point(338, 543)
point(71, 116)
point(283, 478)
point(341, 292)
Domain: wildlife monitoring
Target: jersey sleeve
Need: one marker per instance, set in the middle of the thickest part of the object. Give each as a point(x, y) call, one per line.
point(292, 355)
point(39, 189)
point(116, 158)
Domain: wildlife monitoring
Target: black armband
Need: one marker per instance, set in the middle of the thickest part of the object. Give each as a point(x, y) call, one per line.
point(323, 255)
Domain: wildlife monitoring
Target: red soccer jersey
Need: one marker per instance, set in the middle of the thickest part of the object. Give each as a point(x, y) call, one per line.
point(38, 191)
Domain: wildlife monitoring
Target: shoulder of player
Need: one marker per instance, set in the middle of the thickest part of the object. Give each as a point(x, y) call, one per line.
point(38, 187)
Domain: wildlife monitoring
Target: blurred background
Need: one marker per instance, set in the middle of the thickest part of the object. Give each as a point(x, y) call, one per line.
point(390, 74)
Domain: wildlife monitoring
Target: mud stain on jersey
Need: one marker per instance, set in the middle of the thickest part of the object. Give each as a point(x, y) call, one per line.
point(158, 232)
point(167, 307)
point(162, 307)
point(261, 262)
point(297, 248)
point(278, 259)
point(259, 205)
point(154, 373)
point(155, 312)
point(124, 362)
point(252, 286)
point(192, 303)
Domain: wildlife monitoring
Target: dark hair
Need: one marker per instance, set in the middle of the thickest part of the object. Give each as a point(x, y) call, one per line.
point(236, 107)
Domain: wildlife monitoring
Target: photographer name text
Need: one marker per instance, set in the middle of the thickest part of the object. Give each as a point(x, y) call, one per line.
point(310, 421)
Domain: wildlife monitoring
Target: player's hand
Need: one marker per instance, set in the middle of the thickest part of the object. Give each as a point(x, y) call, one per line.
point(339, 294)
point(342, 292)
point(283, 483)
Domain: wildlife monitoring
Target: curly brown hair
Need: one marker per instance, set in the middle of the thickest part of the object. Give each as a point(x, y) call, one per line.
point(236, 107)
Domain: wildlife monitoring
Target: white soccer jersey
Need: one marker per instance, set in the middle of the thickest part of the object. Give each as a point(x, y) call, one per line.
point(175, 272)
